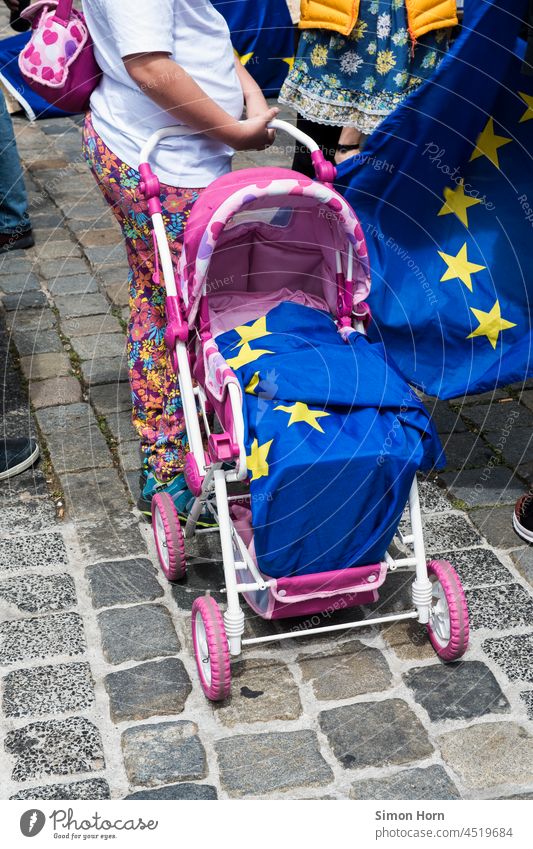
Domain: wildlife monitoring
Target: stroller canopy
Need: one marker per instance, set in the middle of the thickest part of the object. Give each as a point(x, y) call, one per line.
point(264, 230)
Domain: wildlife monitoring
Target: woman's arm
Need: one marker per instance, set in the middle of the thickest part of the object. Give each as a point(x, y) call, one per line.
point(253, 96)
point(175, 91)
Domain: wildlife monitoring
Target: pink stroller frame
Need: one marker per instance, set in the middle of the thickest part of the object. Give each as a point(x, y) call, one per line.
point(253, 223)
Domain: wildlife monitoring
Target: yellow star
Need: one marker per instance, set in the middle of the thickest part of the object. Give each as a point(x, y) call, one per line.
point(528, 100)
point(244, 58)
point(301, 413)
point(257, 460)
point(488, 143)
point(249, 333)
point(246, 355)
point(290, 61)
point(490, 324)
point(252, 386)
point(457, 202)
point(459, 266)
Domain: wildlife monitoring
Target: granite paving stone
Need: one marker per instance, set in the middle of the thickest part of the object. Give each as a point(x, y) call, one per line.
point(513, 653)
point(110, 537)
point(118, 293)
point(33, 552)
point(464, 450)
point(59, 249)
point(76, 306)
point(130, 459)
point(95, 347)
point(42, 366)
point(527, 698)
point(90, 325)
point(156, 688)
point(94, 494)
point(94, 238)
point(111, 399)
point(409, 640)
point(484, 487)
point(496, 525)
point(39, 593)
point(123, 582)
point(397, 735)
point(501, 416)
point(105, 370)
point(37, 320)
point(201, 575)
point(456, 691)
point(75, 451)
point(262, 690)
point(55, 747)
point(27, 300)
point(104, 254)
point(447, 420)
point(65, 267)
point(27, 517)
point(29, 343)
point(14, 284)
point(184, 791)
point(93, 788)
point(62, 688)
point(163, 753)
point(255, 764)
point(430, 783)
point(55, 392)
point(137, 633)
point(28, 484)
point(499, 607)
point(65, 418)
point(490, 754)
point(518, 448)
point(73, 284)
point(345, 672)
point(41, 636)
point(120, 424)
point(451, 531)
point(523, 559)
point(477, 567)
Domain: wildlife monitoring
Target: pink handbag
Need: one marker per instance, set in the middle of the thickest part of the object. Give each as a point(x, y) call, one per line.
point(58, 62)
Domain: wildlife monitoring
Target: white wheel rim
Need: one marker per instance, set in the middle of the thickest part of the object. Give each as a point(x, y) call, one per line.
point(202, 648)
point(439, 617)
point(161, 537)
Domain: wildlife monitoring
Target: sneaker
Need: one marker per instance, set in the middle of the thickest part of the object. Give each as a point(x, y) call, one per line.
point(523, 517)
point(181, 495)
point(16, 241)
point(16, 455)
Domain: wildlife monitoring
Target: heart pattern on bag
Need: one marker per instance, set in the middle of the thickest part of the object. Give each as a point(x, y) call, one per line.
point(51, 49)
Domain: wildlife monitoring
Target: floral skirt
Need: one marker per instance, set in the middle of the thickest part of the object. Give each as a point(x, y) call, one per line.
point(357, 80)
point(156, 402)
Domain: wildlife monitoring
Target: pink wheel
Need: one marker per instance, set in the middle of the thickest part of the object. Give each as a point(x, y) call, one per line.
point(168, 537)
point(448, 626)
point(211, 648)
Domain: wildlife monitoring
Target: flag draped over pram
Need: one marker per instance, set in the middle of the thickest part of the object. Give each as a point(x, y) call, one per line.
point(444, 191)
point(263, 37)
point(333, 435)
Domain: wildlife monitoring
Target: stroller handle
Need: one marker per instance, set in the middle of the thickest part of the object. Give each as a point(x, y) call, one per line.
point(177, 130)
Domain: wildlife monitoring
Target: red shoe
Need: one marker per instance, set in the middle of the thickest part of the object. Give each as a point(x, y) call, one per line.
point(523, 516)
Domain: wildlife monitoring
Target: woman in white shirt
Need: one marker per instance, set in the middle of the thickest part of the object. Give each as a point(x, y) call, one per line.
point(163, 61)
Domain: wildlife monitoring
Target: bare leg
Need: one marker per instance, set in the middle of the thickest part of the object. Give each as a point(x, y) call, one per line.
point(348, 144)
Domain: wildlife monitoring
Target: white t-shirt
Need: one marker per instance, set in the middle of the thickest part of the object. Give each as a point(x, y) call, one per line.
point(197, 37)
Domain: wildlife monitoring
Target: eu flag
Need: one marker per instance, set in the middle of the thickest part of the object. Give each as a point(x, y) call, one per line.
point(263, 38)
point(333, 436)
point(444, 189)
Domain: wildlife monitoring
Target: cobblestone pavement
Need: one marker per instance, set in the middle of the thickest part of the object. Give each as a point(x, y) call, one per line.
point(99, 692)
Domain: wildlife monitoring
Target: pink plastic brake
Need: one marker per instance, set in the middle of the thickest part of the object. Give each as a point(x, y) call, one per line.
point(150, 188)
point(177, 329)
point(325, 171)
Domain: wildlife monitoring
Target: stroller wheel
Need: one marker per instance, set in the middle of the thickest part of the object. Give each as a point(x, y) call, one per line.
point(168, 537)
point(448, 626)
point(211, 648)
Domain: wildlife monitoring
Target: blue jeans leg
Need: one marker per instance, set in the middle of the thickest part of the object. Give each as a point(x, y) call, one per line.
point(13, 200)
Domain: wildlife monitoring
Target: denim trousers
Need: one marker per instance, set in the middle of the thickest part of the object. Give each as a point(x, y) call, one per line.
point(13, 201)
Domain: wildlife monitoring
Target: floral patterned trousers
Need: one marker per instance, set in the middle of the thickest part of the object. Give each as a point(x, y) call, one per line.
point(157, 411)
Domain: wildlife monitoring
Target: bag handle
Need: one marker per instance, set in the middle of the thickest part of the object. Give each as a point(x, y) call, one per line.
point(63, 12)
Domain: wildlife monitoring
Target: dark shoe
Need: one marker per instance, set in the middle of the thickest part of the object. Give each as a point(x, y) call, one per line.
point(17, 455)
point(16, 241)
point(523, 517)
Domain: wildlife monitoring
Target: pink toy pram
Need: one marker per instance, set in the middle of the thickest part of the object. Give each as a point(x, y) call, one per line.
point(233, 260)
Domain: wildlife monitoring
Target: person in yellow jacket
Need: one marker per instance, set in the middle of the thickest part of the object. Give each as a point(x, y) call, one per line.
point(356, 61)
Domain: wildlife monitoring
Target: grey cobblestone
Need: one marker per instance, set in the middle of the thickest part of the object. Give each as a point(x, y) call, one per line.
point(41, 637)
point(158, 688)
point(178, 792)
point(123, 582)
point(460, 691)
point(490, 754)
point(55, 747)
point(32, 552)
point(94, 788)
point(163, 753)
point(42, 690)
point(141, 632)
point(431, 783)
point(345, 672)
point(39, 593)
point(262, 691)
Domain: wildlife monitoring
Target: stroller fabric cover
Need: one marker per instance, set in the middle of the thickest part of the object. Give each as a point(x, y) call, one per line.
point(334, 436)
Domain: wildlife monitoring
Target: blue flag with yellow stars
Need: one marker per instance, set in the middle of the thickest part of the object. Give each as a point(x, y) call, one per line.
point(333, 436)
point(444, 189)
point(263, 38)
